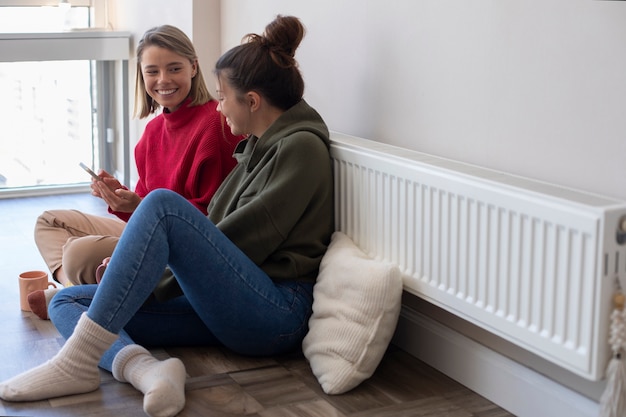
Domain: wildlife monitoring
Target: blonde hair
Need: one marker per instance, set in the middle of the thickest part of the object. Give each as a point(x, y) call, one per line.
point(174, 39)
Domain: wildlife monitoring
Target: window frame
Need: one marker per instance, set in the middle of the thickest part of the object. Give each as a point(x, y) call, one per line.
point(110, 49)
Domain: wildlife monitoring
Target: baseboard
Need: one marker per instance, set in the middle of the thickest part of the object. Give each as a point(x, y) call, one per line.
point(509, 384)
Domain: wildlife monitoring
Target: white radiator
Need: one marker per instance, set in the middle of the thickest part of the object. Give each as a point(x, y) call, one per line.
point(534, 263)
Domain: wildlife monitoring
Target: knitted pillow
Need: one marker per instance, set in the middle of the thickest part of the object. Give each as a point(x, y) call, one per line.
point(355, 312)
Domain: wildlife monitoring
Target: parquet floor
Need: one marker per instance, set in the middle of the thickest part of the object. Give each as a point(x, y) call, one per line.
point(220, 383)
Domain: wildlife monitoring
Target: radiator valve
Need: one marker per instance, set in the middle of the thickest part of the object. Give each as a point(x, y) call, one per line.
point(621, 231)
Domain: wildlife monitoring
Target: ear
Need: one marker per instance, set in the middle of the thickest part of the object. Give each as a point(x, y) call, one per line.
point(194, 68)
point(253, 99)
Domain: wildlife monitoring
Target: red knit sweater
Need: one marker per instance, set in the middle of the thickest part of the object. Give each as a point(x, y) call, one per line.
point(189, 151)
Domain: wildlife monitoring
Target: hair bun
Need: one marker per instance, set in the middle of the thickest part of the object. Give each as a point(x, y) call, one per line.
point(266, 63)
point(281, 38)
point(285, 33)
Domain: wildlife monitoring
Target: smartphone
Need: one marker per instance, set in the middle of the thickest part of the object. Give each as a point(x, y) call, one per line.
point(93, 174)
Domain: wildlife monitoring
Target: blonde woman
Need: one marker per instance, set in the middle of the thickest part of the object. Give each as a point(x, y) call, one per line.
point(186, 148)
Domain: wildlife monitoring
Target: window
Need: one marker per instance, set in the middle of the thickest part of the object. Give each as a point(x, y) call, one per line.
point(49, 109)
point(62, 96)
point(26, 17)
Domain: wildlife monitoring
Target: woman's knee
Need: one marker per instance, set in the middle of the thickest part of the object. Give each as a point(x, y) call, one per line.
point(46, 225)
point(161, 196)
point(54, 219)
point(44, 220)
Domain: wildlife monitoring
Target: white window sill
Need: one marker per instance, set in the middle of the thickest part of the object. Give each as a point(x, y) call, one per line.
point(91, 44)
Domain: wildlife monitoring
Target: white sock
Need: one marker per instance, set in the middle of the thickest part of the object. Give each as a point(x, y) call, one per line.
point(161, 382)
point(74, 370)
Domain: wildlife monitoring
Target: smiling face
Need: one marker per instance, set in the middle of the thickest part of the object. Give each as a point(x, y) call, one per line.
point(234, 109)
point(167, 76)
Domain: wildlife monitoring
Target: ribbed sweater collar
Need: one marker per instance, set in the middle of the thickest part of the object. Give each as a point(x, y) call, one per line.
point(180, 117)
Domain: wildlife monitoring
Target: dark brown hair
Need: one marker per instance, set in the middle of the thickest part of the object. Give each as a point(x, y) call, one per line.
point(266, 63)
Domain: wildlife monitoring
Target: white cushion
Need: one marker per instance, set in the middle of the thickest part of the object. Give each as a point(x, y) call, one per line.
point(356, 305)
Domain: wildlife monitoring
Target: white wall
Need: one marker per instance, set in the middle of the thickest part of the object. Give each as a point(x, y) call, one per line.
point(531, 88)
point(535, 88)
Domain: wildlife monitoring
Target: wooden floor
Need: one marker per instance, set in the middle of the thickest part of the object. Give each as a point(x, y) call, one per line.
point(220, 383)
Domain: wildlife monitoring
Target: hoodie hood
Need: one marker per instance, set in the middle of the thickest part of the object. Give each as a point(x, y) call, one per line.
point(299, 118)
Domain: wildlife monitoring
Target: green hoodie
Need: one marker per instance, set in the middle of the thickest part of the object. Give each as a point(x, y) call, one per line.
point(277, 204)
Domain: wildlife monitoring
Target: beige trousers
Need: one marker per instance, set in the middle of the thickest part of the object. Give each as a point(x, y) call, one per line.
point(77, 241)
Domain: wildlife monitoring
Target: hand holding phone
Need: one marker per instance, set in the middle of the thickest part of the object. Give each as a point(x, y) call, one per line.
point(93, 174)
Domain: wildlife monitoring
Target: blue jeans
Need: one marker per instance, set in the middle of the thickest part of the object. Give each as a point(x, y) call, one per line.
point(228, 300)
